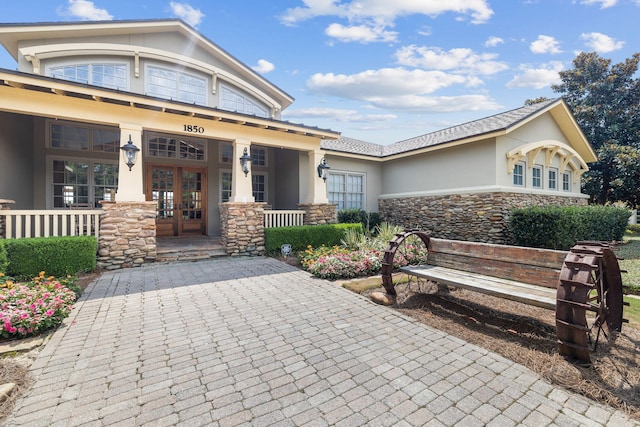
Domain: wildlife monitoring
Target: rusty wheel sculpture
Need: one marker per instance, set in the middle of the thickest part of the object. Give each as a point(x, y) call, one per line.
point(589, 296)
point(404, 245)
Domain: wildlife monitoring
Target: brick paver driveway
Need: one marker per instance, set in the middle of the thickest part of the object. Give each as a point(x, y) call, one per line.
point(254, 341)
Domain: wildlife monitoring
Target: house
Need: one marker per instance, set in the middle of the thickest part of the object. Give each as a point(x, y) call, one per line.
point(166, 134)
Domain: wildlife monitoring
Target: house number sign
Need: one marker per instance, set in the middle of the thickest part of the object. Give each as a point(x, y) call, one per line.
point(193, 129)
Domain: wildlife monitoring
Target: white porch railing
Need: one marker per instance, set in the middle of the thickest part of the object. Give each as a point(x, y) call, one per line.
point(46, 223)
point(277, 218)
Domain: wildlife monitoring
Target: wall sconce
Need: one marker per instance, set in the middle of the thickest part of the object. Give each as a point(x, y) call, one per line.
point(245, 160)
point(322, 169)
point(130, 153)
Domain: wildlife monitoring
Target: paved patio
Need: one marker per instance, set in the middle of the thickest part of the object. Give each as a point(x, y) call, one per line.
point(254, 341)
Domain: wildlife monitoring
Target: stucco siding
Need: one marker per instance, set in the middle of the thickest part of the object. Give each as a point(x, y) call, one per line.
point(16, 173)
point(465, 166)
point(373, 176)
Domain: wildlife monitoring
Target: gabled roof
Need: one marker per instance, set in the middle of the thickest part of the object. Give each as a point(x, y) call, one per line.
point(497, 124)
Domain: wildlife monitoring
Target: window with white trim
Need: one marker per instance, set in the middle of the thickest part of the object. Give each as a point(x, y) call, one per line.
point(176, 85)
point(83, 182)
point(346, 190)
point(83, 137)
point(518, 174)
point(258, 156)
point(176, 148)
point(232, 100)
point(553, 179)
point(226, 153)
point(566, 181)
point(225, 186)
point(536, 177)
point(259, 186)
point(112, 76)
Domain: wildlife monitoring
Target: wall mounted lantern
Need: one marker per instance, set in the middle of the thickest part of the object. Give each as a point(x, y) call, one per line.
point(130, 153)
point(245, 160)
point(322, 169)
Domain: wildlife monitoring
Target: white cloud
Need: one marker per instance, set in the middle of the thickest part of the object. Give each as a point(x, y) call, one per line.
point(459, 60)
point(85, 10)
point(537, 78)
point(187, 13)
point(263, 66)
point(545, 44)
point(493, 41)
point(601, 42)
point(603, 3)
point(437, 104)
point(360, 33)
point(384, 10)
point(337, 114)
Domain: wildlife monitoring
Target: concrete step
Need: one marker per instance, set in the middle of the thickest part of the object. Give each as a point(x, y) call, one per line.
point(189, 255)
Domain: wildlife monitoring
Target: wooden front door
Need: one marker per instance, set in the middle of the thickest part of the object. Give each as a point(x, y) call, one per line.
point(181, 195)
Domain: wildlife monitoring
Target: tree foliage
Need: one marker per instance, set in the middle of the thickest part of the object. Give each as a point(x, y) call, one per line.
point(605, 100)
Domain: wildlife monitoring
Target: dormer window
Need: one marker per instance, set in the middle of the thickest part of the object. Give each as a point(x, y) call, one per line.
point(112, 76)
point(176, 85)
point(232, 100)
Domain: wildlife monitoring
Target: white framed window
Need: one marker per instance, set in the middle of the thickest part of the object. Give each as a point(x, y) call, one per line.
point(566, 181)
point(259, 186)
point(258, 156)
point(232, 100)
point(161, 146)
point(518, 174)
point(82, 181)
point(83, 137)
point(346, 190)
point(109, 75)
point(226, 153)
point(175, 84)
point(536, 177)
point(552, 183)
point(225, 185)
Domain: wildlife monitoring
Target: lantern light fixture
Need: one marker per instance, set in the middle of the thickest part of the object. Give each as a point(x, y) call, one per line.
point(130, 153)
point(322, 169)
point(245, 160)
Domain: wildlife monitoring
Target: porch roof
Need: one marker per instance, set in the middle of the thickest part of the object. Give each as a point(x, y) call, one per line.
point(27, 81)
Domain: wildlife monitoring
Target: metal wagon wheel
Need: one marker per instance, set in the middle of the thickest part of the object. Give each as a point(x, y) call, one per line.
point(406, 245)
point(589, 296)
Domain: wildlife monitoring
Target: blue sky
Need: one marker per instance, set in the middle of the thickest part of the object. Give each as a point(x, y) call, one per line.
point(386, 70)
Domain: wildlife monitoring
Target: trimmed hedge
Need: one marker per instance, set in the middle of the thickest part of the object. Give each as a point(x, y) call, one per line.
point(352, 216)
point(4, 262)
point(302, 236)
point(56, 256)
point(560, 227)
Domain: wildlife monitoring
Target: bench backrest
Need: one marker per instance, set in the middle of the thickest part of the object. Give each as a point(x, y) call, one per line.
point(527, 265)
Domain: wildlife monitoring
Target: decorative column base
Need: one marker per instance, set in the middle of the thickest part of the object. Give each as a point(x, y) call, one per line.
point(242, 228)
point(127, 234)
point(319, 213)
point(4, 206)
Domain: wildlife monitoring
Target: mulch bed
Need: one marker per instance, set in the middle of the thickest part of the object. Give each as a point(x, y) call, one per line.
point(526, 335)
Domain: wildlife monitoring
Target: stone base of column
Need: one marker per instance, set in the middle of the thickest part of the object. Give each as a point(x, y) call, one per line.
point(5, 205)
point(242, 228)
point(319, 213)
point(127, 234)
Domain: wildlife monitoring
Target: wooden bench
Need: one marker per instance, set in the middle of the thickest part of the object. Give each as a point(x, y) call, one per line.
point(584, 279)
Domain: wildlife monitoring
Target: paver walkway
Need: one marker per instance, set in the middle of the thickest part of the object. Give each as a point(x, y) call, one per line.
point(254, 341)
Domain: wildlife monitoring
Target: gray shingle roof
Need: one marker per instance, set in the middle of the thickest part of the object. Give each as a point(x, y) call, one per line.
point(498, 122)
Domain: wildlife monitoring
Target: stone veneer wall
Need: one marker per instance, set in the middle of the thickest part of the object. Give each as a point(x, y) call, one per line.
point(480, 217)
point(325, 213)
point(242, 228)
point(127, 234)
point(4, 206)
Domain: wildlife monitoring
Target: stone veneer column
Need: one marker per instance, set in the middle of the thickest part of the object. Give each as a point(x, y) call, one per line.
point(319, 213)
point(4, 206)
point(479, 217)
point(242, 228)
point(127, 234)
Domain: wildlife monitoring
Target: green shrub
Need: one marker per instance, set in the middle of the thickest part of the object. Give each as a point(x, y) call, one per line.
point(302, 236)
point(58, 256)
point(560, 227)
point(631, 228)
point(4, 261)
point(369, 220)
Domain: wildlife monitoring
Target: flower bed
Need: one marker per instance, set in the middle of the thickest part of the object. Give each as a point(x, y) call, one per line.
point(32, 307)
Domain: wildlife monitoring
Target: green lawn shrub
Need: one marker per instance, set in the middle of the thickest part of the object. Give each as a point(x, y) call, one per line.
point(302, 236)
point(57, 256)
point(4, 262)
point(560, 227)
point(369, 220)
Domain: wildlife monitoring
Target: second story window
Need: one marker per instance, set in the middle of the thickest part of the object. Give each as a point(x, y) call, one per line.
point(112, 76)
point(536, 177)
point(176, 85)
point(518, 174)
point(232, 100)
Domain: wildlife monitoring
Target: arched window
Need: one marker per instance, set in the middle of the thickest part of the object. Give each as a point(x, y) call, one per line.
point(232, 100)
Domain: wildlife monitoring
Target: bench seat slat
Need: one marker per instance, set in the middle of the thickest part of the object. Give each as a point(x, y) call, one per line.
point(516, 291)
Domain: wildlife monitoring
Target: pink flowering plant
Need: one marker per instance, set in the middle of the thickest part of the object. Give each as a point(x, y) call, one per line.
point(364, 262)
point(32, 307)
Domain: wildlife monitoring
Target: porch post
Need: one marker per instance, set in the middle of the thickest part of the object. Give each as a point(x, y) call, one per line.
point(317, 191)
point(130, 181)
point(241, 191)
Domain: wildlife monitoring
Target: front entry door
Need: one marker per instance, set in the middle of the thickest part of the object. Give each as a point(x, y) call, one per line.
point(180, 193)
